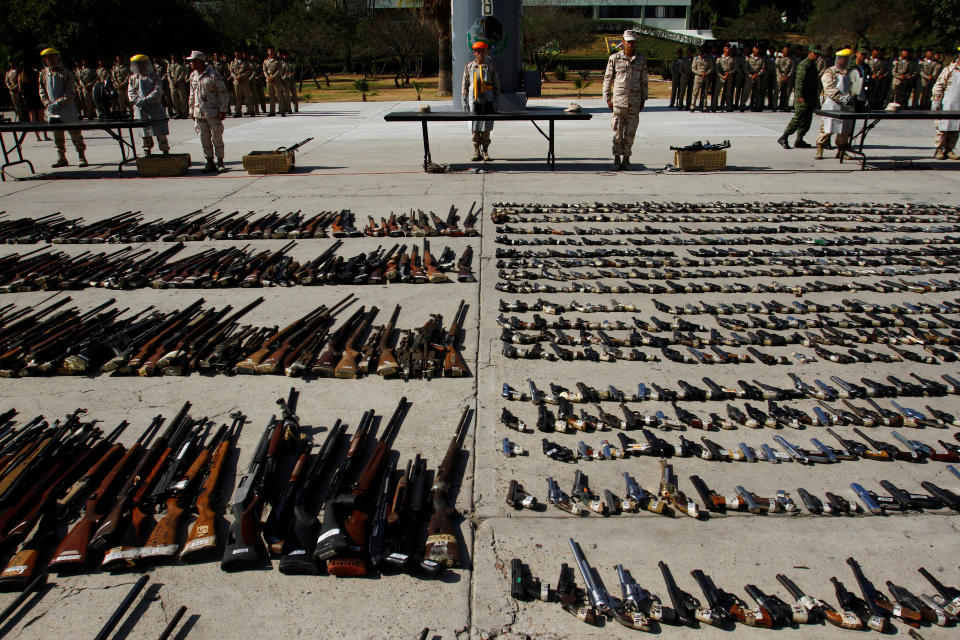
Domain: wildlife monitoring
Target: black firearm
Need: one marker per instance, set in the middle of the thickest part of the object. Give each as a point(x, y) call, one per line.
point(684, 604)
point(951, 595)
point(878, 615)
point(723, 607)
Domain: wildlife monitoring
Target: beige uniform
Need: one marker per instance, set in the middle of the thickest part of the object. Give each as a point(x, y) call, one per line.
point(241, 73)
point(676, 82)
point(753, 86)
point(929, 70)
point(58, 91)
point(290, 82)
point(625, 86)
point(946, 95)
point(10, 81)
point(726, 74)
point(208, 99)
point(272, 72)
point(119, 76)
point(786, 68)
point(836, 97)
point(700, 68)
point(902, 75)
point(86, 79)
point(177, 83)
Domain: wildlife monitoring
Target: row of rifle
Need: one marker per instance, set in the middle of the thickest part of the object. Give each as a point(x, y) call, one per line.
point(769, 211)
point(129, 268)
point(124, 507)
point(707, 256)
point(639, 609)
point(669, 500)
point(55, 338)
point(542, 237)
point(754, 230)
point(131, 226)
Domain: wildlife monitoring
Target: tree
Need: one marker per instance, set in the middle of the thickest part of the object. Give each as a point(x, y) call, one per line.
point(938, 24)
point(764, 23)
point(877, 23)
point(549, 31)
point(306, 32)
point(404, 37)
point(438, 12)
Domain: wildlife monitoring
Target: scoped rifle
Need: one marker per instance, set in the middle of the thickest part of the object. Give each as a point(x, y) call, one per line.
point(349, 546)
point(201, 541)
point(442, 547)
point(301, 538)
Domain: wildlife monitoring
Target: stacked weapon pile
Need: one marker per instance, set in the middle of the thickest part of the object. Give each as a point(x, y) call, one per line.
point(124, 507)
point(131, 226)
point(129, 268)
point(55, 338)
point(637, 608)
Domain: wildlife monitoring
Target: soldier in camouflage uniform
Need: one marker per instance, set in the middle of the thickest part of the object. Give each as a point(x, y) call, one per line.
point(241, 73)
point(86, 78)
point(786, 68)
point(118, 76)
point(676, 80)
point(700, 69)
point(726, 69)
point(13, 86)
point(289, 77)
point(272, 72)
point(806, 100)
point(209, 104)
point(58, 93)
point(625, 91)
point(177, 84)
point(945, 96)
point(929, 70)
point(160, 66)
point(145, 92)
point(836, 97)
point(881, 67)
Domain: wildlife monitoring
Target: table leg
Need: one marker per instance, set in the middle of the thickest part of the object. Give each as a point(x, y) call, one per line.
point(551, 154)
point(7, 153)
point(426, 145)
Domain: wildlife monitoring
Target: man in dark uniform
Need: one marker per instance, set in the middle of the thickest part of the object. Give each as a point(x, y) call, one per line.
point(806, 94)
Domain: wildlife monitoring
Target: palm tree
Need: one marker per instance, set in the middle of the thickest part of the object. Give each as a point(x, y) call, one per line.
point(438, 12)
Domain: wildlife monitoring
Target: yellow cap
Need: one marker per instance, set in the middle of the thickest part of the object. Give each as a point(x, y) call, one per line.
point(844, 52)
point(139, 58)
point(49, 51)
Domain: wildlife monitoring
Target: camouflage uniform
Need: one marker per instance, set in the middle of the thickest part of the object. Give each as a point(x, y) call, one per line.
point(929, 73)
point(272, 71)
point(58, 93)
point(806, 98)
point(10, 80)
point(625, 86)
point(118, 76)
point(208, 99)
point(946, 95)
point(289, 76)
point(786, 68)
point(726, 77)
point(676, 82)
point(161, 68)
point(145, 92)
point(836, 94)
point(753, 83)
point(86, 79)
point(700, 68)
point(241, 73)
point(177, 81)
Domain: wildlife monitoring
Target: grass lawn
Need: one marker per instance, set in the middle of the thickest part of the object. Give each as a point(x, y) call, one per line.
point(382, 89)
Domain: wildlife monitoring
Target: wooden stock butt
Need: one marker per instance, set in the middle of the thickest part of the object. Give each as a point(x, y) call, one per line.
point(72, 550)
point(453, 364)
point(19, 571)
point(162, 542)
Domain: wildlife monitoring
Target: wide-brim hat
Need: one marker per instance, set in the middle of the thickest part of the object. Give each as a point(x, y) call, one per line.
point(630, 35)
point(197, 55)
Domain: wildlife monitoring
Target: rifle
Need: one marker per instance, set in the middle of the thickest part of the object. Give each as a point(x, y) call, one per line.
point(434, 274)
point(353, 535)
point(378, 526)
point(347, 367)
point(453, 364)
point(301, 539)
point(387, 364)
point(441, 547)
point(406, 513)
point(464, 270)
point(278, 524)
point(333, 351)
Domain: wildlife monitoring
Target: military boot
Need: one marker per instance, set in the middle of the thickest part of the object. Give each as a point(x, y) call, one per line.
point(486, 154)
point(819, 155)
point(476, 154)
point(842, 151)
point(801, 144)
point(83, 159)
point(939, 154)
point(61, 160)
point(952, 155)
point(783, 142)
point(616, 163)
point(625, 164)
point(209, 167)
point(220, 166)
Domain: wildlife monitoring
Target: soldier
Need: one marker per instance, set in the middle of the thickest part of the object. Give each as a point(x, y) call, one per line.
point(862, 69)
point(806, 100)
point(770, 80)
point(786, 68)
point(208, 105)
point(479, 90)
point(676, 80)
point(145, 92)
point(258, 85)
point(928, 69)
point(752, 81)
point(13, 87)
point(726, 68)
point(58, 91)
point(700, 68)
point(713, 82)
point(161, 68)
point(740, 72)
point(880, 70)
point(272, 70)
point(177, 85)
point(902, 72)
point(625, 90)
point(289, 76)
point(686, 91)
point(118, 76)
point(836, 97)
point(86, 78)
point(945, 96)
point(241, 73)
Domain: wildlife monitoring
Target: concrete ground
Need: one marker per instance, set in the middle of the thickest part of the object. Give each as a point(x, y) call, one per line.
point(358, 161)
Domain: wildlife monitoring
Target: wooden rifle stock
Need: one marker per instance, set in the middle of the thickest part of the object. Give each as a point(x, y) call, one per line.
point(434, 274)
point(201, 541)
point(453, 363)
point(347, 366)
point(387, 364)
point(442, 547)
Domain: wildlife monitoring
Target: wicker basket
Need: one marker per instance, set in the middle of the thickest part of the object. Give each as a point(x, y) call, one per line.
point(261, 162)
point(162, 166)
point(712, 160)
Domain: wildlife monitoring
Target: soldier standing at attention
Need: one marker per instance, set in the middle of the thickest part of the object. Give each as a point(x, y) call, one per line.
point(740, 71)
point(479, 90)
point(625, 91)
point(946, 97)
point(241, 73)
point(289, 76)
point(929, 72)
point(686, 90)
point(209, 104)
point(786, 67)
point(177, 83)
point(806, 100)
point(700, 68)
point(753, 81)
point(836, 97)
point(118, 76)
point(676, 80)
point(272, 71)
point(145, 91)
point(58, 93)
point(726, 69)
point(86, 78)
point(10, 81)
point(713, 87)
point(900, 88)
point(258, 85)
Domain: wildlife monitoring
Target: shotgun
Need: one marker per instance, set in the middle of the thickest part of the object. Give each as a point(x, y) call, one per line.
point(442, 547)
